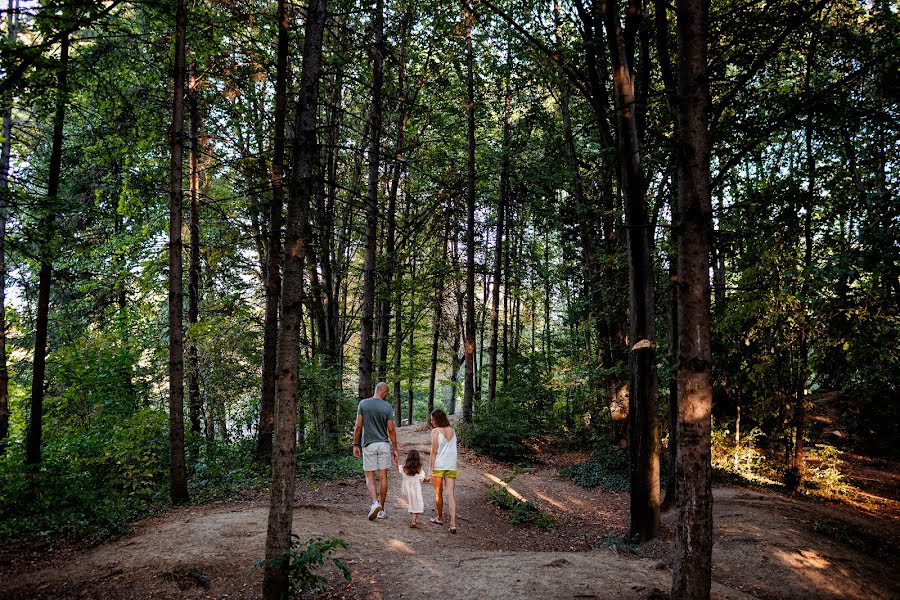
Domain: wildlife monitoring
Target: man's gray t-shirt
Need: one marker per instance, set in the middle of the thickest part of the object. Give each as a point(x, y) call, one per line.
point(375, 416)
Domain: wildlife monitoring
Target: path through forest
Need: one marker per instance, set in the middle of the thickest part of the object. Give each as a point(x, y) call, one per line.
point(767, 546)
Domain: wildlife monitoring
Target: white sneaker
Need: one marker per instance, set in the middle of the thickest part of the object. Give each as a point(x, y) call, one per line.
point(381, 515)
point(374, 510)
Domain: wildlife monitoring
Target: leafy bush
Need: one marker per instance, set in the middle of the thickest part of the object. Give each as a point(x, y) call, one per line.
point(607, 469)
point(312, 467)
point(501, 431)
point(301, 562)
point(521, 513)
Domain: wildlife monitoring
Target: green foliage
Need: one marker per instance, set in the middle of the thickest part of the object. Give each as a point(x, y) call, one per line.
point(501, 431)
point(90, 484)
point(301, 563)
point(521, 513)
point(313, 467)
point(607, 469)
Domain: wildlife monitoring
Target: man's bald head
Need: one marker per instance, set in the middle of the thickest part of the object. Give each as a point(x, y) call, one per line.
point(381, 390)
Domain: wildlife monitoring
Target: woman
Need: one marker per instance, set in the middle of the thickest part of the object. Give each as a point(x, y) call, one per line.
point(443, 467)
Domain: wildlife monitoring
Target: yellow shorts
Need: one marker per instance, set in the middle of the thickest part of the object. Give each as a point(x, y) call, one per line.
point(445, 473)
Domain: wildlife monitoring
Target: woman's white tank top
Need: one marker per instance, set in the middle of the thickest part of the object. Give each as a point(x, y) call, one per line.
point(446, 453)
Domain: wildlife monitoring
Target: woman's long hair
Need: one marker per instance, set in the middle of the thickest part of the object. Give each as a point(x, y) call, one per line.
point(440, 418)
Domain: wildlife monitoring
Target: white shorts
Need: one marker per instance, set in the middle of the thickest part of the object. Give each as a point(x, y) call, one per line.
point(376, 456)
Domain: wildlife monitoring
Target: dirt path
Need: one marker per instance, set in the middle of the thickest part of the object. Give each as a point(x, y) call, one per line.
point(767, 546)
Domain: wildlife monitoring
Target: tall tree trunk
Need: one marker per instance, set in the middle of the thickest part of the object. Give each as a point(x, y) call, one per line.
point(498, 237)
point(691, 573)
point(469, 393)
point(398, 345)
point(797, 463)
point(13, 20)
point(669, 501)
point(178, 472)
point(506, 289)
point(644, 430)
point(194, 405)
point(438, 316)
point(273, 266)
point(364, 388)
point(412, 345)
point(284, 457)
point(35, 429)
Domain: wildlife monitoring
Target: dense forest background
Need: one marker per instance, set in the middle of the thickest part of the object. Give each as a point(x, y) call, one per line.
point(507, 238)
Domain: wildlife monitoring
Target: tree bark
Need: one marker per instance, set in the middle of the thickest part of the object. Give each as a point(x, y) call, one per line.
point(364, 387)
point(412, 345)
point(51, 207)
point(797, 463)
point(178, 472)
point(642, 396)
point(273, 263)
point(438, 317)
point(194, 404)
point(13, 20)
point(469, 392)
point(278, 539)
point(498, 238)
point(691, 573)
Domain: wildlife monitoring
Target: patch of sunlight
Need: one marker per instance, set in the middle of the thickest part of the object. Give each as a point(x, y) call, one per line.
point(401, 546)
point(505, 486)
point(555, 503)
point(803, 560)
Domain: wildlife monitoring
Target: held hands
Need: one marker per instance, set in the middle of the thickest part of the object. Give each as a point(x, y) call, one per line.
point(428, 479)
point(395, 456)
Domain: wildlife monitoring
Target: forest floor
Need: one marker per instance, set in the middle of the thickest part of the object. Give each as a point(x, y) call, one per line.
point(766, 546)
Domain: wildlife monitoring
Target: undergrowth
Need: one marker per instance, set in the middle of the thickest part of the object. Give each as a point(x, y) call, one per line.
point(607, 469)
point(302, 562)
point(520, 513)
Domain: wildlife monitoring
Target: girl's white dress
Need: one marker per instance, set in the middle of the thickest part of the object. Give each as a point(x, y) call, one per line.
point(412, 489)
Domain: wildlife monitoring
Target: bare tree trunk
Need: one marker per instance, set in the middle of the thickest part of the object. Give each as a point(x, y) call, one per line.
point(273, 264)
point(194, 405)
point(412, 344)
point(469, 393)
point(691, 573)
point(498, 238)
point(642, 397)
point(178, 472)
point(13, 20)
point(506, 289)
point(35, 429)
point(797, 464)
point(438, 316)
point(364, 388)
point(284, 457)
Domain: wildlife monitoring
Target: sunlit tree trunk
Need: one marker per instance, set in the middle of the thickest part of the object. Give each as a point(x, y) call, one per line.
point(364, 388)
point(642, 395)
point(691, 572)
point(284, 456)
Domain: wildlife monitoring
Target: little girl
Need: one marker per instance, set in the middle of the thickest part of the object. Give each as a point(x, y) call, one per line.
point(413, 476)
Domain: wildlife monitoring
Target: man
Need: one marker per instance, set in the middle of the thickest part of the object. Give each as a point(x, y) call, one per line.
point(375, 430)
